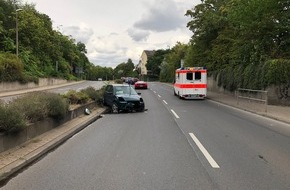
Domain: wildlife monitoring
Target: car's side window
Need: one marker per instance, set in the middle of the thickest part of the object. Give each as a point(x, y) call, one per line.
point(109, 89)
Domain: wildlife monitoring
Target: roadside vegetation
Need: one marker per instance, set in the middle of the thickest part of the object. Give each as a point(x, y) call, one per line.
point(44, 52)
point(243, 44)
point(33, 107)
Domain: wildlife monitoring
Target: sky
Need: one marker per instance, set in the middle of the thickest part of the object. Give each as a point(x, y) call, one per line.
point(116, 30)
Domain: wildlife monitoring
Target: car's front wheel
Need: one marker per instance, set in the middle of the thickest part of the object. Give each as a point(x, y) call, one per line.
point(115, 108)
point(141, 109)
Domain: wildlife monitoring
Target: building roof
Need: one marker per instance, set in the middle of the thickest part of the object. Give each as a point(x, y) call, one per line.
point(149, 53)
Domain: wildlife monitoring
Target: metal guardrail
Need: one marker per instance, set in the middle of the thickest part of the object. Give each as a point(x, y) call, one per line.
point(252, 95)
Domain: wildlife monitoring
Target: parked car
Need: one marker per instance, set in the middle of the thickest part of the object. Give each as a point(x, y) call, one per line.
point(141, 84)
point(123, 97)
point(130, 81)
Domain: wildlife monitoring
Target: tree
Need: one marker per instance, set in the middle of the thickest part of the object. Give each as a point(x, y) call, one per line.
point(125, 70)
point(172, 61)
point(235, 39)
point(43, 51)
point(154, 62)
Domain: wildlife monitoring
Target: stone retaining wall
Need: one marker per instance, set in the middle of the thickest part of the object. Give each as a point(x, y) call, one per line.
point(275, 97)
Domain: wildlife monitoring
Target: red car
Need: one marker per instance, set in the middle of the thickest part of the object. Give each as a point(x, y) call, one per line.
point(141, 84)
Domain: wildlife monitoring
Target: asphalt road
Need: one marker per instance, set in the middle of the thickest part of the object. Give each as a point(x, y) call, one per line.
point(79, 86)
point(64, 89)
point(176, 144)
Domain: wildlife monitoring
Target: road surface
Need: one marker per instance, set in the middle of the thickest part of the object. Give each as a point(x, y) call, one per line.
point(176, 144)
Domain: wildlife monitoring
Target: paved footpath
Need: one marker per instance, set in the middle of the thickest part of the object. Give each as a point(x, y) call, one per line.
point(280, 113)
point(17, 158)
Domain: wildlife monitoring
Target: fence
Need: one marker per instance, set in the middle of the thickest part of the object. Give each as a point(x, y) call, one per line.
point(259, 96)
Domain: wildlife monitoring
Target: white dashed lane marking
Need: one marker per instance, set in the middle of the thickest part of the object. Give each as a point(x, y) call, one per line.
point(204, 151)
point(175, 114)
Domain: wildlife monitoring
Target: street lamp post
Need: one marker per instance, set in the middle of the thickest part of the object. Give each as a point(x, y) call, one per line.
point(17, 10)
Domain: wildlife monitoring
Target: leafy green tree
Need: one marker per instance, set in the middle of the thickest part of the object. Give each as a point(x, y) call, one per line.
point(11, 68)
point(235, 39)
point(125, 70)
point(43, 51)
point(172, 61)
point(154, 62)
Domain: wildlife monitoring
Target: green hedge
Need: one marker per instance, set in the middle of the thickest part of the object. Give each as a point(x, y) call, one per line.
point(260, 76)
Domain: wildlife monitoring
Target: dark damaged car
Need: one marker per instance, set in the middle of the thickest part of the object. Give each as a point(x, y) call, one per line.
point(123, 97)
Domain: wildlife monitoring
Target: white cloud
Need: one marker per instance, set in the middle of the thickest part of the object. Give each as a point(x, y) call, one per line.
point(80, 33)
point(162, 16)
point(114, 31)
point(138, 35)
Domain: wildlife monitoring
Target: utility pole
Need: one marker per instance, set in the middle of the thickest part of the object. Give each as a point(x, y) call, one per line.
point(17, 10)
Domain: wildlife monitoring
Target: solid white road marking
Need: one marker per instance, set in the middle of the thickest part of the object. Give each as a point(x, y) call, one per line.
point(174, 114)
point(165, 102)
point(159, 96)
point(204, 151)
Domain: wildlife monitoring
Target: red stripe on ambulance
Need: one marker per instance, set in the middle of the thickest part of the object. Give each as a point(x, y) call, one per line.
point(191, 85)
point(186, 71)
point(191, 82)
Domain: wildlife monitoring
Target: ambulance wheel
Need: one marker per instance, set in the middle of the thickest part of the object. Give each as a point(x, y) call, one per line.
point(175, 93)
point(179, 96)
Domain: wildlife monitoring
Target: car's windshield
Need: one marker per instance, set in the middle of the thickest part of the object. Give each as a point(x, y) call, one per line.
point(125, 90)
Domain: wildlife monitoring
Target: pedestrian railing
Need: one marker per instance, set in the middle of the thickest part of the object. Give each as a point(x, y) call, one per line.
point(259, 96)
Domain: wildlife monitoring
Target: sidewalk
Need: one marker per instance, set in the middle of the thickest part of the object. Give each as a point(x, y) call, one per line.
point(280, 113)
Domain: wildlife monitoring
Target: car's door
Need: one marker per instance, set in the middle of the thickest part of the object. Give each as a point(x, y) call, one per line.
point(109, 95)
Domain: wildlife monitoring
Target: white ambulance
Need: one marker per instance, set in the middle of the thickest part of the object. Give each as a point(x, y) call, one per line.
point(190, 83)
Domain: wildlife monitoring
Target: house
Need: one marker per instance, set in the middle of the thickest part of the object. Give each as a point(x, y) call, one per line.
point(141, 67)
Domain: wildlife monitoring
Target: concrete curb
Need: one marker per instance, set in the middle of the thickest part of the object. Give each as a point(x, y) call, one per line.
point(22, 162)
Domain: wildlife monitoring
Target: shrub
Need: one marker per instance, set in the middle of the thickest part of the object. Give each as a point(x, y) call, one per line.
point(91, 92)
point(39, 105)
point(57, 106)
point(95, 95)
point(11, 67)
point(119, 81)
point(11, 120)
point(32, 106)
point(75, 97)
point(100, 94)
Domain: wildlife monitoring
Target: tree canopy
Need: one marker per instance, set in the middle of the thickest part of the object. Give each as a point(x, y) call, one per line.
point(240, 42)
point(43, 51)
